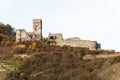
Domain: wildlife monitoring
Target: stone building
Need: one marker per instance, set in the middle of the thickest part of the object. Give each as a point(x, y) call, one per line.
point(22, 35)
point(57, 39)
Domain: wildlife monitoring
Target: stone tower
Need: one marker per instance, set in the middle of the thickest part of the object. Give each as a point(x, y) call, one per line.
point(37, 29)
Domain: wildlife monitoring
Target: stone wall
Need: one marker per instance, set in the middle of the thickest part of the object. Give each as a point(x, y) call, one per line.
point(92, 45)
point(75, 42)
point(22, 35)
point(56, 37)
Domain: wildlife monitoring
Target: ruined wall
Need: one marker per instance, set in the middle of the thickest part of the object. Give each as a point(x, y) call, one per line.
point(75, 42)
point(57, 37)
point(92, 45)
point(22, 35)
point(17, 35)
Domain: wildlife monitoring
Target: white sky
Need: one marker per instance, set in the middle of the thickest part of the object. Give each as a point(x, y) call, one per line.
point(88, 19)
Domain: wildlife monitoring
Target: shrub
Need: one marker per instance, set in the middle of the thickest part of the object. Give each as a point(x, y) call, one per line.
point(19, 49)
point(45, 42)
point(58, 63)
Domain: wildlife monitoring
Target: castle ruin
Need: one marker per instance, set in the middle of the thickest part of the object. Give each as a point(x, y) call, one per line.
point(22, 35)
point(55, 39)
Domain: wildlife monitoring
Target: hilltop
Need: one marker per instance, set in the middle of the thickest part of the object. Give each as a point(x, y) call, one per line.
point(38, 60)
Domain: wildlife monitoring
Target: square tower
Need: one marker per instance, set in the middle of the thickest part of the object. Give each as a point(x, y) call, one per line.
point(37, 29)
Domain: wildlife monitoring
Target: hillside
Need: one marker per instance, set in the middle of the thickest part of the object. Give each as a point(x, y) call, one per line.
point(111, 73)
point(59, 63)
point(35, 61)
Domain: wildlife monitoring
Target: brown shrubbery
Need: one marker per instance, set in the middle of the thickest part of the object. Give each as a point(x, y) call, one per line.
point(50, 62)
point(59, 63)
point(54, 62)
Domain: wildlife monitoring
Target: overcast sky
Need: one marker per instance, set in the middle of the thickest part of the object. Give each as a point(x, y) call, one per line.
point(87, 19)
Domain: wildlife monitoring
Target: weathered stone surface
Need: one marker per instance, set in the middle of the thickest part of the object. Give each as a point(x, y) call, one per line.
point(56, 39)
point(22, 35)
point(74, 42)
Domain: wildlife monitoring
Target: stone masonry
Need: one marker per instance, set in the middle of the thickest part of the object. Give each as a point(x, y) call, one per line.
point(22, 35)
point(74, 42)
point(55, 39)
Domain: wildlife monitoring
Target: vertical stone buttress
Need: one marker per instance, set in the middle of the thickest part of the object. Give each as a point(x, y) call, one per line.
point(37, 29)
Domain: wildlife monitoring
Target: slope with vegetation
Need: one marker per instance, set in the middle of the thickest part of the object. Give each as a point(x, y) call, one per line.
point(45, 62)
point(7, 34)
point(59, 63)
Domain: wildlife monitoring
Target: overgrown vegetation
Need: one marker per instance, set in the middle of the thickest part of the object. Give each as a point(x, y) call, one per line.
point(60, 63)
point(48, 62)
point(7, 34)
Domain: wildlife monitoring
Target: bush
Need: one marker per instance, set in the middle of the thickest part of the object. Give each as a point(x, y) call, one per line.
point(59, 63)
point(19, 49)
point(45, 42)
